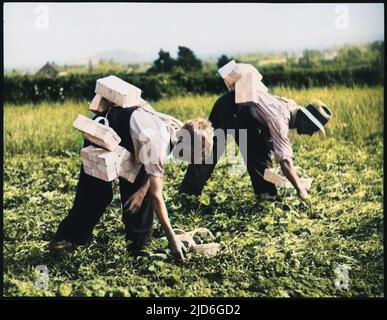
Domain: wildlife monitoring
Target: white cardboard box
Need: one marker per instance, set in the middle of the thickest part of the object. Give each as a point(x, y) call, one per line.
point(97, 133)
point(109, 165)
point(249, 85)
point(128, 169)
point(230, 74)
point(118, 91)
point(245, 79)
point(248, 68)
point(246, 88)
point(96, 164)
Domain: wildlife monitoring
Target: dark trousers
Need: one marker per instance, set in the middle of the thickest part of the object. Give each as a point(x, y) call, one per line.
point(92, 197)
point(226, 115)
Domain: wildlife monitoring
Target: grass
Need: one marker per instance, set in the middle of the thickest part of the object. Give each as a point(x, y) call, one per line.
point(46, 128)
point(269, 249)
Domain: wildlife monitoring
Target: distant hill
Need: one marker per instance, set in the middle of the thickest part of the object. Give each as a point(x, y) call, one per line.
point(121, 56)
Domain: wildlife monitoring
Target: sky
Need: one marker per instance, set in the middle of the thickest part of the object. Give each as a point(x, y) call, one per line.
point(66, 32)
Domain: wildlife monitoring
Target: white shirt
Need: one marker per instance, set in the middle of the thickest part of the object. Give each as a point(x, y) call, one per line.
point(277, 113)
point(151, 138)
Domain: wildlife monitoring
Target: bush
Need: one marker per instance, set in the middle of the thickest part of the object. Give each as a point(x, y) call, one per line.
point(33, 88)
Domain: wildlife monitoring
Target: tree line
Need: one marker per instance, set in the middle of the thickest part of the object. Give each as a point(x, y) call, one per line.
point(185, 74)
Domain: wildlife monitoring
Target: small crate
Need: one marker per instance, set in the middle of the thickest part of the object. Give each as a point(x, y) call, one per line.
point(109, 165)
point(246, 89)
point(244, 68)
point(116, 90)
point(129, 169)
point(97, 133)
point(272, 175)
point(100, 163)
point(188, 241)
point(230, 74)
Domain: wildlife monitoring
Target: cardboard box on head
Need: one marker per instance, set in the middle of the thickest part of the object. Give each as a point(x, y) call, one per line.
point(118, 91)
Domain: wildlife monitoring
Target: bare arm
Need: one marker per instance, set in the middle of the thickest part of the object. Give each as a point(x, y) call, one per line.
point(291, 174)
point(155, 191)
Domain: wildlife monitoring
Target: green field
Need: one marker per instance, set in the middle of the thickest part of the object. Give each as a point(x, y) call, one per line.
point(276, 248)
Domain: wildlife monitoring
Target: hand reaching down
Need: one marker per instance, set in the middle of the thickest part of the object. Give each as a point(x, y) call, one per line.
point(133, 204)
point(177, 248)
point(304, 195)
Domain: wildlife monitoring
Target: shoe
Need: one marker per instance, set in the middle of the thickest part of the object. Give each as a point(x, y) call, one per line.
point(60, 248)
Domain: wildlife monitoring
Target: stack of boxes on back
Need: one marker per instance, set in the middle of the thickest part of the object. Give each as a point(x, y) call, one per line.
point(109, 165)
point(116, 161)
point(109, 160)
point(245, 79)
point(248, 86)
point(246, 89)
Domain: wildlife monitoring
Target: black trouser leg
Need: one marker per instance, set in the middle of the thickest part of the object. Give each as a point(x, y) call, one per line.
point(257, 159)
point(92, 197)
point(139, 225)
